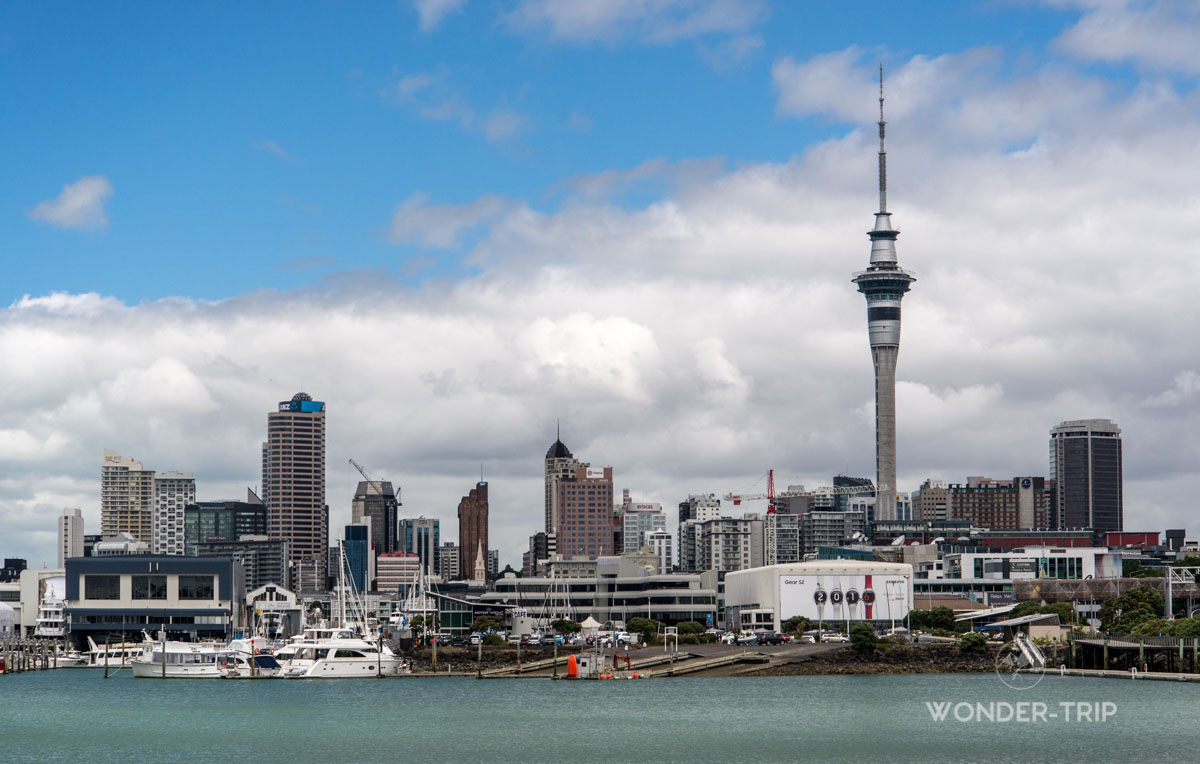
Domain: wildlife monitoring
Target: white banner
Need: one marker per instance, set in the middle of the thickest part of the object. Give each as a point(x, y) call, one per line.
point(844, 598)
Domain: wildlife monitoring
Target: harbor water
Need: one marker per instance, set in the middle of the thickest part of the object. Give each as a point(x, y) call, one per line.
point(77, 716)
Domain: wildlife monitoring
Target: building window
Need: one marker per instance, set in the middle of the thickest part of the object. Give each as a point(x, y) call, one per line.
point(102, 587)
point(196, 588)
point(149, 587)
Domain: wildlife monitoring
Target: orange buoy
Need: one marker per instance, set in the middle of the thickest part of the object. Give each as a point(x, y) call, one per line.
point(572, 667)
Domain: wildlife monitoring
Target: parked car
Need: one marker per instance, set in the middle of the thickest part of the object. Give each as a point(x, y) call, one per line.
point(459, 640)
point(551, 639)
point(807, 639)
point(834, 638)
point(476, 639)
point(772, 638)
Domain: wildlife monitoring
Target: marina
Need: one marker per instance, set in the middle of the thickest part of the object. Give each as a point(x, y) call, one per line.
point(826, 718)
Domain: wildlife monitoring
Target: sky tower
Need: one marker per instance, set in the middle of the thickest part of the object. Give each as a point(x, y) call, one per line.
point(884, 283)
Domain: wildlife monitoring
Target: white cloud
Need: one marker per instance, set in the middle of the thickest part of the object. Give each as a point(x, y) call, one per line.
point(434, 96)
point(654, 21)
point(503, 124)
point(416, 221)
point(431, 13)
point(1155, 34)
point(79, 205)
point(697, 340)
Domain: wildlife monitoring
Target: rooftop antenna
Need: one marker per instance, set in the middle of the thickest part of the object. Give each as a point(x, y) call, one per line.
point(882, 151)
point(558, 430)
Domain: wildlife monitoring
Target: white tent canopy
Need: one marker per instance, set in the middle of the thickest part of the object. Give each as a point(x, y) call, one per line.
point(590, 624)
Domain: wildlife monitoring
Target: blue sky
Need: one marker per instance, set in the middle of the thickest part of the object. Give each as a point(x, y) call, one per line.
point(263, 146)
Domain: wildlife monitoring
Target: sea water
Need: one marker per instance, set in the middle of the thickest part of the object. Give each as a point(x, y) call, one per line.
point(75, 715)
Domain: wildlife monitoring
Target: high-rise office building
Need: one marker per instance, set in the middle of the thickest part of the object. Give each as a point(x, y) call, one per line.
point(173, 491)
point(999, 504)
point(637, 520)
point(560, 464)
point(223, 521)
point(375, 502)
point(448, 561)
point(422, 536)
point(884, 284)
point(473, 533)
point(358, 557)
point(70, 535)
point(585, 513)
point(1086, 467)
point(126, 498)
point(698, 509)
point(660, 542)
point(296, 509)
point(493, 563)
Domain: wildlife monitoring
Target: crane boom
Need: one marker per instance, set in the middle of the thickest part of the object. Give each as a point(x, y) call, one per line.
point(370, 481)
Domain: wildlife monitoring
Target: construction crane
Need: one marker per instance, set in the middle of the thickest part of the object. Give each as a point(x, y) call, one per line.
point(370, 480)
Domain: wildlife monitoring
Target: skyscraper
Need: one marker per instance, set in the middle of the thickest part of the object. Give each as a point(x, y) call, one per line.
point(585, 513)
point(884, 284)
point(173, 491)
point(473, 533)
point(296, 508)
point(126, 497)
point(422, 536)
point(1085, 465)
point(560, 464)
point(375, 502)
point(70, 535)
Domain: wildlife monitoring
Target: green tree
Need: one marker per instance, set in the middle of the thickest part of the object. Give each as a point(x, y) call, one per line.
point(1186, 627)
point(487, 623)
point(941, 617)
point(690, 627)
point(566, 626)
point(862, 637)
point(1064, 610)
point(973, 643)
point(643, 626)
point(1124, 613)
point(1029, 607)
point(796, 624)
point(1151, 627)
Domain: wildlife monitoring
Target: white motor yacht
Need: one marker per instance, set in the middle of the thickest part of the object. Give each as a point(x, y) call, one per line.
point(178, 660)
point(336, 654)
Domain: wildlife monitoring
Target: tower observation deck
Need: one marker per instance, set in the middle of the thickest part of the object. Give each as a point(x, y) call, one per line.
point(884, 283)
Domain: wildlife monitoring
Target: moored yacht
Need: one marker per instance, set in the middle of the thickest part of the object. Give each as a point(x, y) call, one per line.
point(336, 653)
point(178, 660)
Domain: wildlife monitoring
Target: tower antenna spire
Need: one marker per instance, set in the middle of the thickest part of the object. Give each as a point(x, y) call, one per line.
point(882, 150)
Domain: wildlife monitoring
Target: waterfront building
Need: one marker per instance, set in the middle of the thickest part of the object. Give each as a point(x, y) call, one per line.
point(295, 479)
point(422, 536)
point(884, 284)
point(614, 590)
point(826, 591)
point(559, 465)
point(1086, 468)
point(225, 520)
point(70, 535)
point(89, 543)
point(473, 533)
point(448, 559)
point(173, 491)
point(126, 497)
point(585, 516)
point(376, 502)
point(263, 559)
point(397, 571)
point(188, 597)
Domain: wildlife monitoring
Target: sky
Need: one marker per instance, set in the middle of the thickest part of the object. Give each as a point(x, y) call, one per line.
point(462, 223)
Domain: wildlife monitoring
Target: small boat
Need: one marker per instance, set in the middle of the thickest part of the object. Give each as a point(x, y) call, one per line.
point(114, 655)
point(178, 660)
point(239, 665)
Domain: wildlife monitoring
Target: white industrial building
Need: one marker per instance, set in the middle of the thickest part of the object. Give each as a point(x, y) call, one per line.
point(826, 591)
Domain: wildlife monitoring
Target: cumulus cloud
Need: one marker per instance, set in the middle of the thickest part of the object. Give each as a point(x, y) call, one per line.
point(1154, 34)
point(79, 205)
point(696, 340)
point(431, 13)
point(435, 96)
point(654, 21)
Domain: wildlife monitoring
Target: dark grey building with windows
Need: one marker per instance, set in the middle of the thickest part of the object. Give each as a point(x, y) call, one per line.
point(117, 597)
point(223, 520)
point(264, 560)
point(1085, 465)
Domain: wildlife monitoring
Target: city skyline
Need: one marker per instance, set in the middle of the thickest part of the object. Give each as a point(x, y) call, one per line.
point(667, 276)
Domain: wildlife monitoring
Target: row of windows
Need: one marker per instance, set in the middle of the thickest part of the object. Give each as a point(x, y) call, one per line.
point(108, 587)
